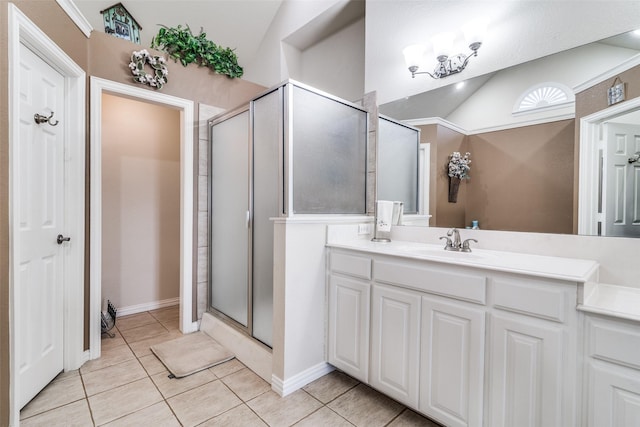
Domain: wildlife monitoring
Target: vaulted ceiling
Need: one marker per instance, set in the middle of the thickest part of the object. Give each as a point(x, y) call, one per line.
point(519, 31)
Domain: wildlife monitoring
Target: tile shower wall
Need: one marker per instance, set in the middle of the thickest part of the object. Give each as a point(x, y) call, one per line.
point(202, 262)
point(370, 103)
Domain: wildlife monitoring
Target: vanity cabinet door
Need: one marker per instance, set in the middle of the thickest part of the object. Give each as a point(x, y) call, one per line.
point(614, 396)
point(395, 335)
point(613, 374)
point(526, 378)
point(348, 346)
point(452, 362)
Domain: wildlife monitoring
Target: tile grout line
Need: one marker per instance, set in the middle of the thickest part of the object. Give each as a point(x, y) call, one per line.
point(86, 398)
point(164, 399)
point(54, 407)
point(137, 358)
point(243, 402)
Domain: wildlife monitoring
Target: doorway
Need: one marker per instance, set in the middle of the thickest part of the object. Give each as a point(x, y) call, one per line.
point(25, 38)
point(100, 87)
point(593, 182)
point(620, 190)
point(140, 205)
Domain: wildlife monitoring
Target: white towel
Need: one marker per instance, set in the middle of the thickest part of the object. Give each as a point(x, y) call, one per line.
point(384, 215)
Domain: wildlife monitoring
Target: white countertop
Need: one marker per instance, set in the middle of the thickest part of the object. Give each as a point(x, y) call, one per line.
point(570, 269)
point(611, 300)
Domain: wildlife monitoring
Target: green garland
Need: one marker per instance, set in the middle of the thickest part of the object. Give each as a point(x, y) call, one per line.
point(182, 45)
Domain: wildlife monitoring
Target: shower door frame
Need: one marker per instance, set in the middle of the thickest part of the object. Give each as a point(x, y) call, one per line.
point(212, 122)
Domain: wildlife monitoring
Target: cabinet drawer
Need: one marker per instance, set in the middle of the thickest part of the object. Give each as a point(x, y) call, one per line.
point(530, 297)
point(350, 264)
point(616, 342)
point(463, 286)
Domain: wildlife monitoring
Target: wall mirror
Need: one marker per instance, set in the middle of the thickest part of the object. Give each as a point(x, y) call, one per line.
point(397, 164)
point(520, 126)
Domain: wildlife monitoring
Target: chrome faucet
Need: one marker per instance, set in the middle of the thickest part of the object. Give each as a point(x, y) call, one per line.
point(452, 245)
point(456, 238)
point(456, 244)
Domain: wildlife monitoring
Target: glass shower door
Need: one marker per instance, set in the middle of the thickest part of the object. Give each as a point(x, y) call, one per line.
point(229, 225)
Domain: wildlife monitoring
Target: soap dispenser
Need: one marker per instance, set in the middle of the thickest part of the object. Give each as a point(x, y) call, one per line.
point(474, 225)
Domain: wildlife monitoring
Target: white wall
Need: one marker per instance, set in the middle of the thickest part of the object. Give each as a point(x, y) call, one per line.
point(141, 202)
point(268, 67)
point(336, 64)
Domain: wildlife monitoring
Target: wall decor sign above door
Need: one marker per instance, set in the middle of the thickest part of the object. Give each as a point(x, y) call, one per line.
point(119, 23)
point(615, 93)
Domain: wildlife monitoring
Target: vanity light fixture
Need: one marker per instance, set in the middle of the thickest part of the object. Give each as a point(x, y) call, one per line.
point(442, 44)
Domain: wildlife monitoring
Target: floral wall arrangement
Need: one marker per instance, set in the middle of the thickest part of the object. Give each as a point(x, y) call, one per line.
point(458, 169)
point(183, 46)
point(157, 63)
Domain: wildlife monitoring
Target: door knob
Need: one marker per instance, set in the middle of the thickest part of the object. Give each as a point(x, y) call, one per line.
point(61, 239)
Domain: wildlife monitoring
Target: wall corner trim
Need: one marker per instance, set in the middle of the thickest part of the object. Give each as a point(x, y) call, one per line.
point(611, 73)
point(76, 16)
point(286, 387)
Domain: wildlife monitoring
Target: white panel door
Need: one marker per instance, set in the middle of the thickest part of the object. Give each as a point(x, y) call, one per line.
point(614, 396)
point(452, 362)
point(395, 347)
point(621, 203)
point(525, 387)
point(348, 347)
point(39, 275)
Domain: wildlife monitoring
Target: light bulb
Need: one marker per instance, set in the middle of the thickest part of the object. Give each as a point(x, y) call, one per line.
point(442, 45)
point(414, 55)
point(474, 33)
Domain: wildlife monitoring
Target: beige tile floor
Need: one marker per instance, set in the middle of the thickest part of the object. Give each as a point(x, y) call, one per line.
point(129, 386)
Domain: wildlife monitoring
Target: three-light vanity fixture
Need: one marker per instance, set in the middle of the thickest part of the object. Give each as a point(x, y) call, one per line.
point(442, 44)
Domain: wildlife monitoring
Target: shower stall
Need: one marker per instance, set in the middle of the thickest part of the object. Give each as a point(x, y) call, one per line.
point(291, 152)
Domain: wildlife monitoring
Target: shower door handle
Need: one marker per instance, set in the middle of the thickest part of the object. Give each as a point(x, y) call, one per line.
point(248, 219)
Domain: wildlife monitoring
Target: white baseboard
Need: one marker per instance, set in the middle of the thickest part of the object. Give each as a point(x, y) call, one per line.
point(154, 305)
point(300, 380)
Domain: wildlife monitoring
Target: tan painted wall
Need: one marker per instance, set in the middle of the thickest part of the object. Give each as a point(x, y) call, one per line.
point(428, 135)
point(444, 141)
point(449, 214)
point(140, 202)
point(522, 179)
point(107, 57)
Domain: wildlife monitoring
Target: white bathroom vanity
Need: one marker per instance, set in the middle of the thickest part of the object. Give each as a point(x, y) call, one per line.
point(487, 338)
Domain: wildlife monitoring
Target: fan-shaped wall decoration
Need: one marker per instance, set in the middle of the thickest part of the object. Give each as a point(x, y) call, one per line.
point(543, 96)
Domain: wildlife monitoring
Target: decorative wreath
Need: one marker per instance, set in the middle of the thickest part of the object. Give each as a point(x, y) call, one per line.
point(160, 72)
